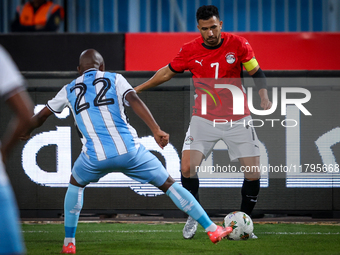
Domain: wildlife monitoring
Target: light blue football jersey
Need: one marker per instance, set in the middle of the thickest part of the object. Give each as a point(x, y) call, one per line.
point(97, 101)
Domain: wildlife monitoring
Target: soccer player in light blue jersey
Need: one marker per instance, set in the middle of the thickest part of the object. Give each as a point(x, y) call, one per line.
point(13, 92)
point(110, 144)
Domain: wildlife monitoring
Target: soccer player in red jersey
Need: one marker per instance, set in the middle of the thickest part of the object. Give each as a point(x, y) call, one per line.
point(221, 56)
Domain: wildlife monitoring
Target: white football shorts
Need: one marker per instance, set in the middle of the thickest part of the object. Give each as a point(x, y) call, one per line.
point(240, 138)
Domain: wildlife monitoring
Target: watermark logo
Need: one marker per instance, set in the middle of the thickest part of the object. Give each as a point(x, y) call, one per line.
point(238, 100)
point(234, 100)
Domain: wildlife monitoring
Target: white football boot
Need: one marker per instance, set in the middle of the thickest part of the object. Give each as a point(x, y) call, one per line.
point(253, 236)
point(190, 228)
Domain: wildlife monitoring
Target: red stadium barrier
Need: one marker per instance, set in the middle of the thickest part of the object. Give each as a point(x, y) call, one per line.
point(274, 51)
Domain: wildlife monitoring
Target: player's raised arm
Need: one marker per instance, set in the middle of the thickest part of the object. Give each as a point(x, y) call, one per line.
point(162, 75)
point(144, 113)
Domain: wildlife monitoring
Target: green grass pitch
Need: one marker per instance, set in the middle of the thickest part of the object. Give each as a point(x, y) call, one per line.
point(163, 238)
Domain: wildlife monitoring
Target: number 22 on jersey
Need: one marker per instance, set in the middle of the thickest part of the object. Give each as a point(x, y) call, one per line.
point(100, 98)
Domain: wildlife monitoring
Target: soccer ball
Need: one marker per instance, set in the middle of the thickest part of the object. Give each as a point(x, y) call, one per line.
point(241, 223)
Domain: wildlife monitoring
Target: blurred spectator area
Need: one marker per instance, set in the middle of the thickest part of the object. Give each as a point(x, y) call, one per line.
point(101, 16)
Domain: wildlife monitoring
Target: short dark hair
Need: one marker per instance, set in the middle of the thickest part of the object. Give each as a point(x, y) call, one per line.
point(206, 12)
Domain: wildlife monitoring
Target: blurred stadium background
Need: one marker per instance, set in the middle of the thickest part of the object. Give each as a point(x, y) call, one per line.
point(121, 16)
point(296, 43)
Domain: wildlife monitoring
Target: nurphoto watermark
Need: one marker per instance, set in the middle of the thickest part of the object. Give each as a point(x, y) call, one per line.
point(216, 96)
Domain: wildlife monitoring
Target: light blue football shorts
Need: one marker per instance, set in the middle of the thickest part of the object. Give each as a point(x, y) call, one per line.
point(140, 165)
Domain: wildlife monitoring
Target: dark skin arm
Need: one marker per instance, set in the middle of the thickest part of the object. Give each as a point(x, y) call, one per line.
point(143, 112)
point(36, 121)
point(22, 106)
point(160, 136)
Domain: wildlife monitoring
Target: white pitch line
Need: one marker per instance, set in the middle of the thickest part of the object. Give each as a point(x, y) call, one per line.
point(297, 233)
point(177, 231)
point(131, 231)
point(109, 231)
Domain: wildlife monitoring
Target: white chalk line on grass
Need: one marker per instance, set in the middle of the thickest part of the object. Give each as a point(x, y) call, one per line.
point(177, 231)
point(298, 233)
point(108, 231)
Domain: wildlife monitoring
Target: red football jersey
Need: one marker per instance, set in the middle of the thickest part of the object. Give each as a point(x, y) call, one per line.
point(221, 64)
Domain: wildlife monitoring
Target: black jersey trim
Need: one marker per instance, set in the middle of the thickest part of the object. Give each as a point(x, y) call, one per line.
point(90, 69)
point(174, 69)
point(213, 47)
point(50, 108)
point(126, 92)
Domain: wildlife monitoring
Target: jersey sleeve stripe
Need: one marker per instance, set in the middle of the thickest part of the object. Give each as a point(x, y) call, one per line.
point(126, 92)
point(50, 108)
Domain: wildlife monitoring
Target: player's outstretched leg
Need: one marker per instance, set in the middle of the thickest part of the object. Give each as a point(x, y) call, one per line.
point(192, 185)
point(190, 181)
point(186, 202)
point(72, 206)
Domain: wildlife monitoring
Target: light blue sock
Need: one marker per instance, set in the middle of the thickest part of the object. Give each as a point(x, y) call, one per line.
point(186, 202)
point(72, 206)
